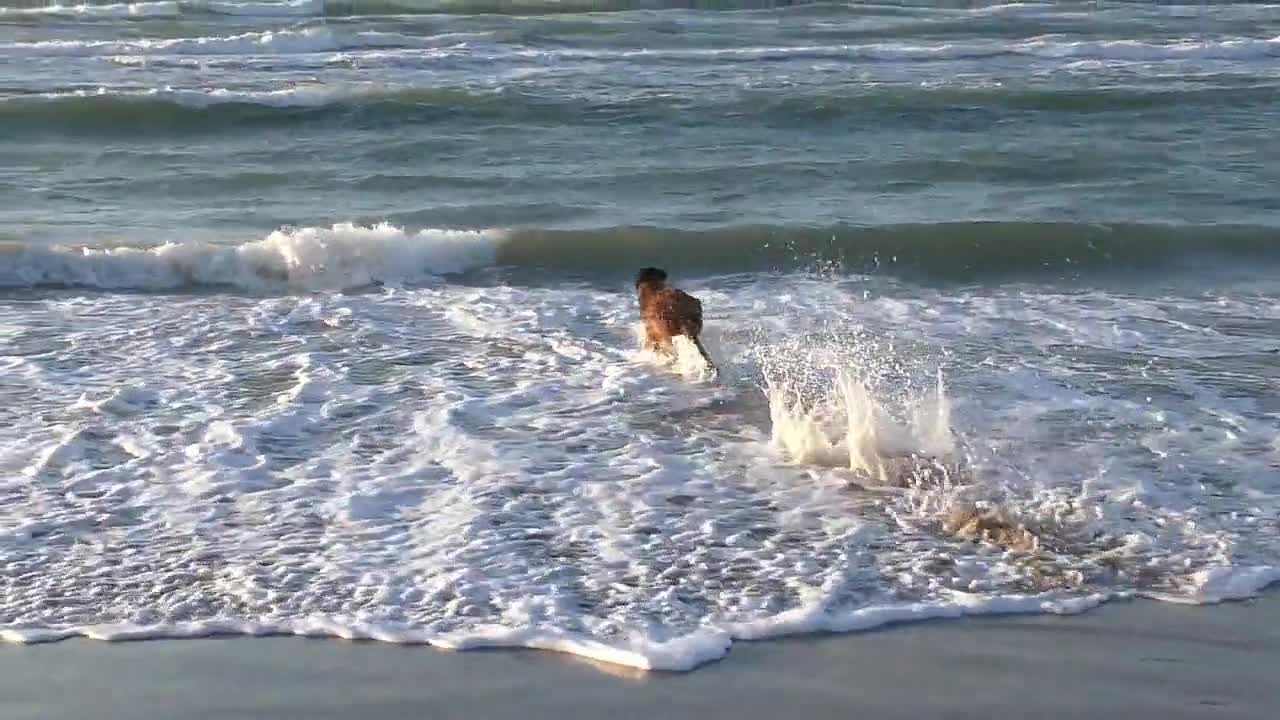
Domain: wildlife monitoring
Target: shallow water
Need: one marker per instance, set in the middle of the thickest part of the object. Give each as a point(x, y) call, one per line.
point(316, 318)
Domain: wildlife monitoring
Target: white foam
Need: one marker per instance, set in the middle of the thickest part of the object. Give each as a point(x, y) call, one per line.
point(173, 8)
point(296, 96)
point(494, 464)
point(291, 8)
point(113, 10)
point(343, 256)
point(308, 40)
point(679, 654)
point(1218, 584)
point(324, 39)
point(1134, 50)
point(817, 618)
point(125, 400)
point(686, 360)
point(1239, 48)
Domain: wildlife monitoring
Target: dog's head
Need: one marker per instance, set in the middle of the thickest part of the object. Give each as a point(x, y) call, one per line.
point(651, 276)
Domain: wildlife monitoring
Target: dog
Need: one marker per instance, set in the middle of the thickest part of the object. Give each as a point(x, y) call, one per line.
point(668, 312)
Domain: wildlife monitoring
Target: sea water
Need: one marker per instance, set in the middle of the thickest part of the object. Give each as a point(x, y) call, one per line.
point(316, 317)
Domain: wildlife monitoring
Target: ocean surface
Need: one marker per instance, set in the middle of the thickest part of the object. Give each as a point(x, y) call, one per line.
point(316, 317)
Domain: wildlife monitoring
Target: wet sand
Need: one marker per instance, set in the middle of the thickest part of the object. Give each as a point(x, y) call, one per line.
point(1164, 661)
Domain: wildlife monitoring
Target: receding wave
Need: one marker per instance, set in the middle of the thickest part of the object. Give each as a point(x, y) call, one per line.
point(349, 256)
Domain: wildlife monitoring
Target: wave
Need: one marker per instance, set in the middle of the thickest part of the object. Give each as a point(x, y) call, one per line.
point(375, 8)
point(681, 653)
point(204, 110)
point(348, 256)
point(276, 42)
point(542, 7)
point(1242, 48)
point(209, 110)
point(325, 39)
point(946, 251)
point(1134, 50)
point(341, 257)
point(171, 8)
point(292, 8)
point(382, 8)
point(163, 9)
point(300, 96)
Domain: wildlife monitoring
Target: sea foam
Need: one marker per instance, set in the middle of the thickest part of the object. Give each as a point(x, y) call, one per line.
point(273, 42)
point(173, 8)
point(313, 258)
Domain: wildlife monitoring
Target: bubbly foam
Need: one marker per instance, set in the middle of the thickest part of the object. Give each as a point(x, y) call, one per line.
point(1049, 48)
point(490, 460)
point(300, 96)
point(486, 465)
point(324, 39)
point(273, 42)
point(173, 8)
point(113, 10)
point(341, 257)
point(290, 8)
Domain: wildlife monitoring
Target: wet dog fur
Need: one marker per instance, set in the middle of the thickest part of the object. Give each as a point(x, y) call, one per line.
point(668, 312)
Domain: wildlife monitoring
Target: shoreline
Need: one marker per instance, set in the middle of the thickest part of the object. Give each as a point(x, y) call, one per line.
point(1131, 656)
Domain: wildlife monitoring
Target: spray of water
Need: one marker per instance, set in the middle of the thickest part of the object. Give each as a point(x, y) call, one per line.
point(849, 426)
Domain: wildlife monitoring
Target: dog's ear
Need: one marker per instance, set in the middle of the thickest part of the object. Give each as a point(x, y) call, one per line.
point(651, 275)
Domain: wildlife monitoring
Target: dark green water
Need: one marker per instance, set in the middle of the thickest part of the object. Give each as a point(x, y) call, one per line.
point(221, 122)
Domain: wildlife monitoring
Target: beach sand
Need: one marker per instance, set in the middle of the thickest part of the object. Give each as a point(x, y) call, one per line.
point(1165, 661)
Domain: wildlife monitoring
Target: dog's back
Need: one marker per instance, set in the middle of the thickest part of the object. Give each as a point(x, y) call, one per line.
point(668, 312)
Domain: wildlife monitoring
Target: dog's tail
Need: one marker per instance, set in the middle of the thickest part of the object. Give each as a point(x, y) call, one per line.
point(697, 342)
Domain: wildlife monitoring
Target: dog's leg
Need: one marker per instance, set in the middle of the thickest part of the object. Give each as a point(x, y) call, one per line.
point(652, 341)
point(659, 345)
point(666, 347)
point(697, 342)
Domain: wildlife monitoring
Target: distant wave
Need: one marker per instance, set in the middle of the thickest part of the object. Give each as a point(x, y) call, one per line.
point(203, 110)
point(1043, 47)
point(262, 9)
point(367, 8)
point(374, 8)
point(944, 251)
point(278, 42)
point(325, 39)
point(350, 256)
point(171, 8)
point(165, 8)
point(214, 109)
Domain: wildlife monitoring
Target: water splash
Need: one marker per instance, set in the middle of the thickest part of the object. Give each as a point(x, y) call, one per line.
point(851, 427)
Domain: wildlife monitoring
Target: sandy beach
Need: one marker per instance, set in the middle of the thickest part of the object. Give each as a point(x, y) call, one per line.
point(1166, 661)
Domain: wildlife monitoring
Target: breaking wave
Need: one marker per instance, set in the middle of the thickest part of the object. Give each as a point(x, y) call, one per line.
point(204, 110)
point(341, 257)
point(348, 256)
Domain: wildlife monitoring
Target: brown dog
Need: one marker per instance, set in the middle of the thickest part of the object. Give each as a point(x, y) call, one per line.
point(668, 312)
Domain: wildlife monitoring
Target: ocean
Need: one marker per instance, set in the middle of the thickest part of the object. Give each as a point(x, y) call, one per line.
point(317, 317)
